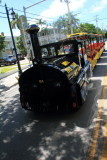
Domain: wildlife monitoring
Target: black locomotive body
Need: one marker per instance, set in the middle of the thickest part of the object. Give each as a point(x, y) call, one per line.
point(58, 79)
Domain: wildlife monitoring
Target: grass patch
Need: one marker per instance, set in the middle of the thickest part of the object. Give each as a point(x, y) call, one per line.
point(7, 69)
point(25, 64)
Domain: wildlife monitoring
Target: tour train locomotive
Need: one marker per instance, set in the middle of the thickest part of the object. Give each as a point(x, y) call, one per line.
point(59, 77)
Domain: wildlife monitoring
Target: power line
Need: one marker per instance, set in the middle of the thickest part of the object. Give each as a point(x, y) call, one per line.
point(2, 6)
point(35, 20)
point(102, 19)
point(96, 22)
point(42, 16)
point(3, 17)
point(33, 14)
point(93, 20)
point(39, 4)
point(2, 13)
point(43, 6)
point(28, 12)
point(32, 18)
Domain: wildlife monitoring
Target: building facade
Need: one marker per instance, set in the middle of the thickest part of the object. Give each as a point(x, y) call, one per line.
point(9, 49)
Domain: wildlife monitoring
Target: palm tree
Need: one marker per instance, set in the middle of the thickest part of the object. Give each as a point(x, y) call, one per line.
point(62, 22)
point(41, 22)
point(74, 21)
point(15, 23)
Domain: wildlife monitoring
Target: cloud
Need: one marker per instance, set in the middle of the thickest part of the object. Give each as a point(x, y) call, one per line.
point(58, 8)
point(99, 6)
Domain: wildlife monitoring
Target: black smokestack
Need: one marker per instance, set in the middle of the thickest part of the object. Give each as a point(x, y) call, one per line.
point(33, 30)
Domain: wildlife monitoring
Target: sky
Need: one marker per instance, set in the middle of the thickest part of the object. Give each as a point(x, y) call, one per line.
point(87, 11)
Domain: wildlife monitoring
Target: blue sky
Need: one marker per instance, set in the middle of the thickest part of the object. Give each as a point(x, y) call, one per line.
point(50, 10)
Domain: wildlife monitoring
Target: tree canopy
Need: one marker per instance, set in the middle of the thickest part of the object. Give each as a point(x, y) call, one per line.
point(40, 23)
point(2, 42)
point(63, 23)
point(88, 28)
point(20, 45)
point(15, 22)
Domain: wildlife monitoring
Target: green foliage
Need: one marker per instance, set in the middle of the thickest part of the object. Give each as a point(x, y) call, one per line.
point(20, 46)
point(63, 23)
point(5, 69)
point(2, 43)
point(41, 22)
point(15, 22)
point(88, 28)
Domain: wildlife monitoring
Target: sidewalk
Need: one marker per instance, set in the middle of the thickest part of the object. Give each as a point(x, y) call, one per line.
point(11, 78)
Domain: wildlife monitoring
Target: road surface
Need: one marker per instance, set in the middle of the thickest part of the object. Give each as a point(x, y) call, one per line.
point(79, 135)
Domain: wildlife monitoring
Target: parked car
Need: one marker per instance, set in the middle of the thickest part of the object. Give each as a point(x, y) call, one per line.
point(2, 62)
point(9, 60)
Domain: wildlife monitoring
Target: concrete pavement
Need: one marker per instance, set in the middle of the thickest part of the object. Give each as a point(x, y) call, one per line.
point(11, 78)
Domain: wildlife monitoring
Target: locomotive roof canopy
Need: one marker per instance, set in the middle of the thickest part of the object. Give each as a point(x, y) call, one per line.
point(66, 41)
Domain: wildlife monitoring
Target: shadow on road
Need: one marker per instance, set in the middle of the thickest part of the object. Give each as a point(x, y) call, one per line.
point(48, 136)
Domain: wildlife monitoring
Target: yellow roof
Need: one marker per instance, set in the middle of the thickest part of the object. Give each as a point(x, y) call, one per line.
point(75, 34)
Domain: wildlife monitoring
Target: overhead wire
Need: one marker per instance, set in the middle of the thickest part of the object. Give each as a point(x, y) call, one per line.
point(40, 15)
point(35, 20)
point(2, 13)
point(1, 5)
point(3, 17)
point(39, 4)
point(19, 10)
point(33, 14)
point(28, 12)
point(93, 20)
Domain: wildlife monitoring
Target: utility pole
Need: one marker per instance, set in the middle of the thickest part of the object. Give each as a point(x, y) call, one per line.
point(69, 14)
point(24, 10)
point(31, 6)
point(102, 27)
point(13, 14)
point(97, 22)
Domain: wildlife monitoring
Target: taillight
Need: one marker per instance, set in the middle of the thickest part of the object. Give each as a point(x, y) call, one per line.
point(74, 105)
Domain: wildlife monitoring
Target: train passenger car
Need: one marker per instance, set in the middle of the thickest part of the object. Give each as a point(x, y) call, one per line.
point(59, 77)
point(93, 45)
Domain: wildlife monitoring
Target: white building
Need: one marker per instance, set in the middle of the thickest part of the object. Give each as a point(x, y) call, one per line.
point(54, 35)
point(9, 49)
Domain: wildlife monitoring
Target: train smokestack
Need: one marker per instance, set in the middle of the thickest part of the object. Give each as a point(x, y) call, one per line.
point(33, 30)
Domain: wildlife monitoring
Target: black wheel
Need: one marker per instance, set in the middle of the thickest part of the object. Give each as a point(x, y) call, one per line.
point(79, 101)
point(80, 98)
